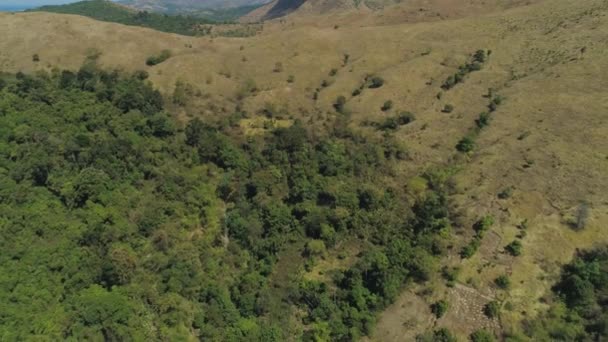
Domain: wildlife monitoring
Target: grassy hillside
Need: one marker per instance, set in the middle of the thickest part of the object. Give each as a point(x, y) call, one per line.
point(107, 11)
point(513, 138)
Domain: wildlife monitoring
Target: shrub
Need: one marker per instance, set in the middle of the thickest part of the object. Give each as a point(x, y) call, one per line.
point(448, 108)
point(503, 282)
point(333, 72)
point(483, 224)
point(278, 67)
point(466, 144)
point(163, 56)
point(479, 56)
point(315, 248)
point(440, 308)
point(36, 58)
point(393, 123)
point(492, 309)
point(514, 248)
point(291, 79)
point(405, 118)
point(482, 336)
point(376, 82)
point(339, 105)
point(470, 249)
point(387, 106)
point(356, 92)
point(505, 193)
point(450, 274)
point(483, 120)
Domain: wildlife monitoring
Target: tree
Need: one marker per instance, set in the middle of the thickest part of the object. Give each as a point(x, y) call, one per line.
point(440, 308)
point(466, 144)
point(514, 248)
point(503, 282)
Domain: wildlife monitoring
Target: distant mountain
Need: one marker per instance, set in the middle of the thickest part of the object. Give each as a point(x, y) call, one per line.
point(184, 6)
point(104, 10)
point(280, 8)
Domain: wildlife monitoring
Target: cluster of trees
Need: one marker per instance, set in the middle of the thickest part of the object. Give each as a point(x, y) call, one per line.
point(157, 59)
point(118, 224)
point(104, 10)
point(579, 311)
point(467, 143)
point(475, 64)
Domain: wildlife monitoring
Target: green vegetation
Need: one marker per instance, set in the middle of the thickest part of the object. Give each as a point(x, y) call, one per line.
point(448, 108)
point(475, 64)
point(161, 57)
point(482, 336)
point(480, 227)
point(579, 311)
point(374, 82)
point(120, 224)
point(439, 335)
point(394, 122)
point(503, 282)
point(514, 248)
point(492, 309)
point(440, 308)
point(387, 106)
point(466, 144)
point(107, 11)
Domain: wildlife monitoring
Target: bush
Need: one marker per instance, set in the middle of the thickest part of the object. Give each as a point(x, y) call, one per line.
point(154, 60)
point(448, 108)
point(492, 309)
point(479, 56)
point(291, 79)
point(505, 193)
point(483, 224)
point(387, 106)
point(375, 82)
point(36, 58)
point(440, 335)
point(356, 92)
point(439, 308)
point(315, 248)
point(466, 144)
point(339, 105)
point(514, 248)
point(503, 282)
point(278, 67)
point(483, 120)
point(333, 72)
point(470, 249)
point(482, 336)
point(393, 123)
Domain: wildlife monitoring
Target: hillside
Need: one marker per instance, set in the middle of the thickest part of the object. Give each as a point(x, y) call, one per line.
point(105, 10)
point(491, 113)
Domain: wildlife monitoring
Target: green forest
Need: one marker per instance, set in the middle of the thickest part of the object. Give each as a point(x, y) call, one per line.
point(107, 11)
point(119, 222)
